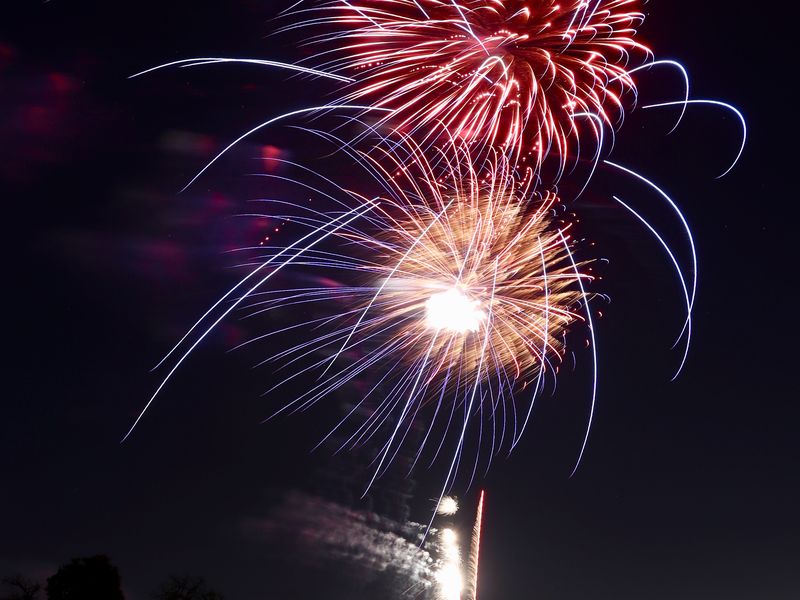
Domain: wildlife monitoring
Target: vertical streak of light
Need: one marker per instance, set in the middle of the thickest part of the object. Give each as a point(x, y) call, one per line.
point(475, 548)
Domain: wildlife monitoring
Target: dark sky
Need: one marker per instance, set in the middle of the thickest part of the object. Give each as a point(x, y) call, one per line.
point(688, 490)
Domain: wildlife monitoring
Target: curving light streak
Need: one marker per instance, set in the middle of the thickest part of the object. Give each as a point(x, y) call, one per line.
point(688, 323)
point(267, 123)
point(724, 105)
point(322, 232)
point(197, 62)
point(681, 69)
point(687, 230)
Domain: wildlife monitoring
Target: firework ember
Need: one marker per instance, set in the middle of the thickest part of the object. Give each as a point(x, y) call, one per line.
point(507, 73)
point(448, 506)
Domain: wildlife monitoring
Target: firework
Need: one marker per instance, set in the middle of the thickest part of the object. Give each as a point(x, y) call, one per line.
point(475, 548)
point(448, 506)
point(458, 292)
point(448, 297)
point(450, 293)
point(508, 74)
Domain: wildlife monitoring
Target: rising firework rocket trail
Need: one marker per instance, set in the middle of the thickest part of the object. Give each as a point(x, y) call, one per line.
point(507, 74)
point(475, 550)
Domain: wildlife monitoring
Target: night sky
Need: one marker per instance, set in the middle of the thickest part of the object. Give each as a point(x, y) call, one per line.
point(689, 489)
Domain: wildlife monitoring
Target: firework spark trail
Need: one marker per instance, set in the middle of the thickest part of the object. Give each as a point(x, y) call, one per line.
point(321, 234)
point(202, 61)
point(593, 344)
point(688, 323)
point(729, 107)
point(499, 74)
point(475, 548)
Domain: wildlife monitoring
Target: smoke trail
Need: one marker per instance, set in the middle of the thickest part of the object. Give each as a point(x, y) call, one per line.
point(378, 554)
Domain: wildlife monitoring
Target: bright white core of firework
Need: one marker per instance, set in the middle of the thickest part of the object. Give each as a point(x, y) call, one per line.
point(448, 506)
point(449, 575)
point(453, 311)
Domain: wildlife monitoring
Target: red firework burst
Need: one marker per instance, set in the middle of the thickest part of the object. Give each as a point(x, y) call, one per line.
point(510, 74)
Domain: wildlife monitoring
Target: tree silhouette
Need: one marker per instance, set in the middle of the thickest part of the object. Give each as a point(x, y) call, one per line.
point(92, 578)
point(186, 588)
point(22, 588)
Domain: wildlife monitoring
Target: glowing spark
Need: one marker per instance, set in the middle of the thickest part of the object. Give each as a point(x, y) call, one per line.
point(453, 311)
point(448, 506)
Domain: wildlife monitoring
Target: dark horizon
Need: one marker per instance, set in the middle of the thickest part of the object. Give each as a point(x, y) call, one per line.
point(688, 489)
